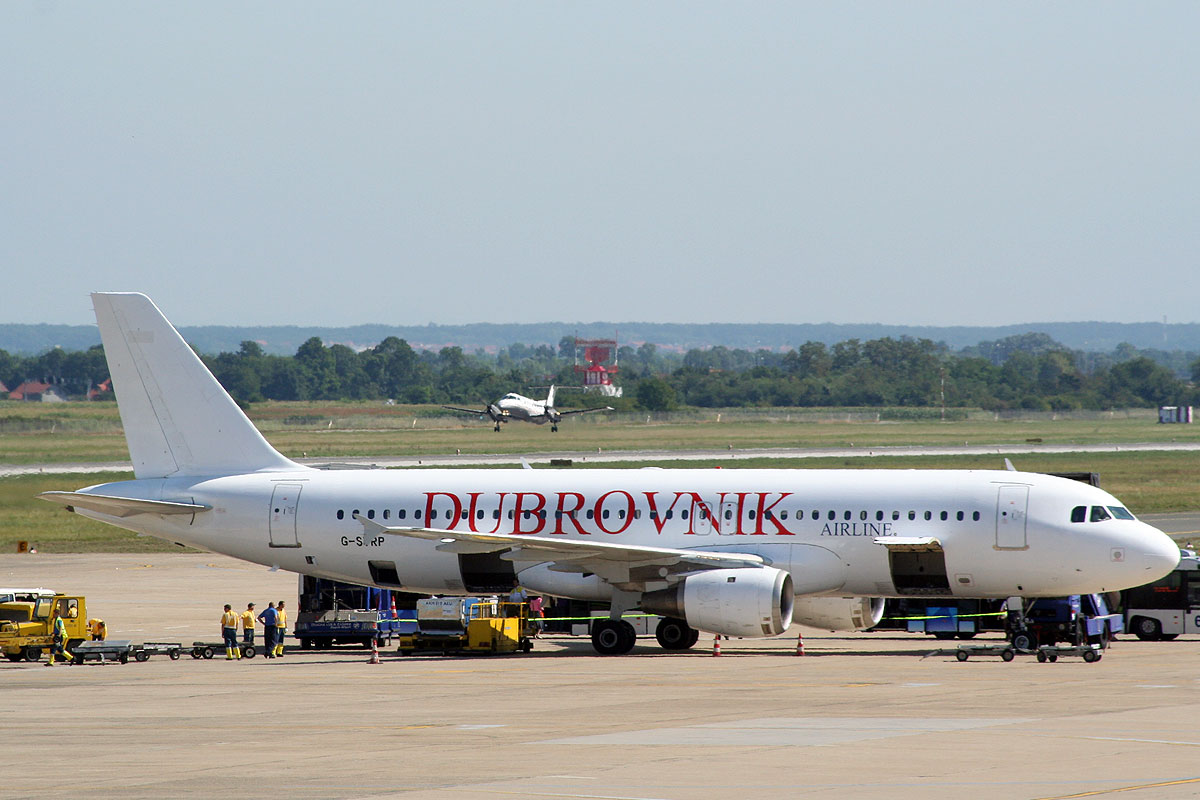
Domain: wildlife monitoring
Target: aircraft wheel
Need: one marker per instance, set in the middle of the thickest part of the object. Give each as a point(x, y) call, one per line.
point(554, 429)
point(1025, 640)
point(675, 634)
point(613, 637)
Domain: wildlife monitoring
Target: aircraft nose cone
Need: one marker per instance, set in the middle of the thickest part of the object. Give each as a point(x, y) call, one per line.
point(1159, 553)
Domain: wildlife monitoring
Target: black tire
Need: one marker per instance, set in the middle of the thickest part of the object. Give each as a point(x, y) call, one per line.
point(1147, 629)
point(1090, 655)
point(15, 656)
point(1041, 656)
point(173, 655)
point(123, 658)
point(1053, 657)
point(1170, 637)
point(249, 651)
point(962, 655)
point(675, 634)
point(32, 653)
point(196, 653)
point(966, 634)
point(1008, 654)
point(1025, 640)
point(943, 635)
point(207, 652)
point(141, 656)
point(306, 644)
point(613, 637)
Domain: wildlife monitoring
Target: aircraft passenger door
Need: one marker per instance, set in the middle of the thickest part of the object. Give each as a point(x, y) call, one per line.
point(1012, 507)
point(284, 502)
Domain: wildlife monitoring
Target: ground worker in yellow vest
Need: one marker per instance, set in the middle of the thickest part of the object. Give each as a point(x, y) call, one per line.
point(280, 628)
point(97, 629)
point(229, 623)
point(59, 648)
point(248, 624)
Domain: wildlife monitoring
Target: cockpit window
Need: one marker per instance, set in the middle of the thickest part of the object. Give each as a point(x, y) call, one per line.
point(1120, 513)
point(1079, 514)
point(1099, 514)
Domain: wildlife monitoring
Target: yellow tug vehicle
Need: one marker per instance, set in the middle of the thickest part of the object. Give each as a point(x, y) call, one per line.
point(27, 621)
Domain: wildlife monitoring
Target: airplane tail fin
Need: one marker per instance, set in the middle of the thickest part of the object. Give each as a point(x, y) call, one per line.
point(178, 419)
point(550, 397)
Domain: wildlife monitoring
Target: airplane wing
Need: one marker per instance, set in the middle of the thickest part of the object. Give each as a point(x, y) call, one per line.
point(583, 410)
point(479, 412)
point(628, 567)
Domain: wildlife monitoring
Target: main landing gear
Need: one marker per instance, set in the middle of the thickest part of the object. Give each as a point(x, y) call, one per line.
point(674, 634)
point(613, 637)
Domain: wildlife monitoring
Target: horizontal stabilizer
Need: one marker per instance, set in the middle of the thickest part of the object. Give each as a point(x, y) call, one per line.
point(120, 506)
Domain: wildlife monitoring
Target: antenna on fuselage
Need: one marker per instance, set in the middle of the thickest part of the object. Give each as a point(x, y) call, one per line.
point(1008, 465)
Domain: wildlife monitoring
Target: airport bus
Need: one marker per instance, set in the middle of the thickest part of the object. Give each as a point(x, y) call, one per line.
point(1168, 607)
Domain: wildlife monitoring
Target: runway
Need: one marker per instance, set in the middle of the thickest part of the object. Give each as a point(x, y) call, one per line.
point(616, 457)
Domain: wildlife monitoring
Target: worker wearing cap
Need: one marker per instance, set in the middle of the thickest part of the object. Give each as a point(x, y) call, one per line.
point(59, 648)
point(280, 628)
point(229, 623)
point(248, 624)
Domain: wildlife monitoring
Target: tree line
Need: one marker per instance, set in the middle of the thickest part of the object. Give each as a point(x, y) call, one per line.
point(1029, 371)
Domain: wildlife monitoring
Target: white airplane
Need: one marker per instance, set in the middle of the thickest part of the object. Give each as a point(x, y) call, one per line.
point(732, 551)
point(526, 409)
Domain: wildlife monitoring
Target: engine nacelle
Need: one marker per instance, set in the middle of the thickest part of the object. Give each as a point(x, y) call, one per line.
point(839, 613)
point(750, 602)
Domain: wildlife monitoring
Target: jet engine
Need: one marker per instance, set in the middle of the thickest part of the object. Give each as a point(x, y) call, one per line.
point(750, 602)
point(839, 613)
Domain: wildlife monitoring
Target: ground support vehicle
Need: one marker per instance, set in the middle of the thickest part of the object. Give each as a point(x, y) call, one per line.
point(942, 618)
point(469, 625)
point(1005, 651)
point(1088, 652)
point(26, 621)
point(1076, 619)
point(1168, 607)
point(210, 649)
point(104, 652)
point(333, 613)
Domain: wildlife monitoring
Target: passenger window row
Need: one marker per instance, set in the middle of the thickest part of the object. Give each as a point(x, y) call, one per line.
point(798, 514)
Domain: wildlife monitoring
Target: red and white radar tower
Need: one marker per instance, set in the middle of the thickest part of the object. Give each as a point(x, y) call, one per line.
point(600, 356)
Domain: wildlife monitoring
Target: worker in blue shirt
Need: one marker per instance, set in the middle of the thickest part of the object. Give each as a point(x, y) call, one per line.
point(269, 619)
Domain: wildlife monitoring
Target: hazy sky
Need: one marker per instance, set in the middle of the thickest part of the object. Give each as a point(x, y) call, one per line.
point(341, 163)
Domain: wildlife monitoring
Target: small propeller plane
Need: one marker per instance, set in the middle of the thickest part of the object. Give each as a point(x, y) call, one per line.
point(526, 409)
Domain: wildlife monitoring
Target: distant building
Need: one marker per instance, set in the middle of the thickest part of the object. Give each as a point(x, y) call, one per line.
point(1168, 414)
point(100, 389)
point(36, 392)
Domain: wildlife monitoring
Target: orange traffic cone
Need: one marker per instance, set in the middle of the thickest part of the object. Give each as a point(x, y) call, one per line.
point(374, 651)
point(717, 645)
point(800, 644)
point(393, 606)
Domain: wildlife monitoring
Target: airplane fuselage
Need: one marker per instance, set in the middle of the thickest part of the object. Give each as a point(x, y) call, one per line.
point(838, 532)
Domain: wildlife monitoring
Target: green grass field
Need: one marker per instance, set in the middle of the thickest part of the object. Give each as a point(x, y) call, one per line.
point(32, 433)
